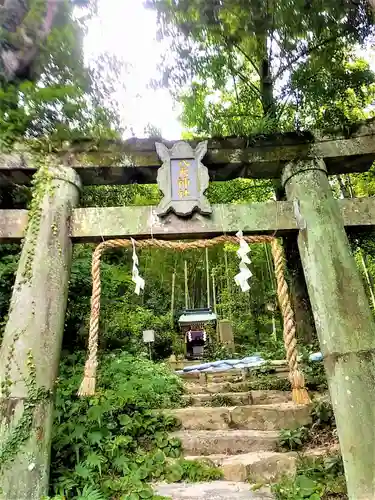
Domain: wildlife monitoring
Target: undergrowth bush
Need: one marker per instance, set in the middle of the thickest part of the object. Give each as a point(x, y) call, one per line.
point(321, 432)
point(316, 479)
point(112, 445)
point(268, 382)
point(315, 377)
point(220, 400)
point(215, 351)
point(293, 439)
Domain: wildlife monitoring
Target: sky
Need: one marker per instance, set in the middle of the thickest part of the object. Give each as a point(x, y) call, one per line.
point(127, 29)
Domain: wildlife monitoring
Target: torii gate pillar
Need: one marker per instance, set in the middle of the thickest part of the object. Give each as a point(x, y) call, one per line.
point(30, 351)
point(343, 318)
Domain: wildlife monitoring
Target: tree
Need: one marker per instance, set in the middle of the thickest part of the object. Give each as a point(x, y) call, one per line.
point(66, 99)
point(251, 50)
point(25, 26)
point(261, 67)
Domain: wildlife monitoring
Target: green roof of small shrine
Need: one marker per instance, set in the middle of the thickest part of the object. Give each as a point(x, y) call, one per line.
point(198, 317)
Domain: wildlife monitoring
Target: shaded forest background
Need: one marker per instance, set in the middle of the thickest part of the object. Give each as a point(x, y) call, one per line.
point(238, 68)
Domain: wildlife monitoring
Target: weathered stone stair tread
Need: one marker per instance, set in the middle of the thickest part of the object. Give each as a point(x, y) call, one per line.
point(235, 397)
point(246, 398)
point(257, 467)
point(269, 397)
point(215, 388)
point(209, 375)
point(253, 417)
point(227, 442)
point(216, 490)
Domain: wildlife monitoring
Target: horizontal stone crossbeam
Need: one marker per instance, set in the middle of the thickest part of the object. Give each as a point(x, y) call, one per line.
point(262, 157)
point(94, 224)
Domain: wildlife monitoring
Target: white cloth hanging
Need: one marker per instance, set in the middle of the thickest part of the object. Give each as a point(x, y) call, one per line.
point(245, 274)
point(136, 278)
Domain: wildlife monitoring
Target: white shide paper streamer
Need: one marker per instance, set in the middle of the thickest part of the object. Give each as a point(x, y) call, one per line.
point(245, 274)
point(139, 282)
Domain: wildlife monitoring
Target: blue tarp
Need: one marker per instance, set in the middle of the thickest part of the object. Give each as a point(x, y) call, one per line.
point(224, 365)
point(316, 356)
point(229, 364)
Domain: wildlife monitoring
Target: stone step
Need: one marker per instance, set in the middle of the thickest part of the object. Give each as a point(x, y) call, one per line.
point(229, 376)
point(232, 398)
point(241, 398)
point(270, 397)
point(253, 417)
point(216, 377)
point(216, 490)
point(264, 467)
point(215, 388)
point(226, 442)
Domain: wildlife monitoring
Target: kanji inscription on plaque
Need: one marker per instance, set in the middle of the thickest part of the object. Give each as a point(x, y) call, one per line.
point(183, 179)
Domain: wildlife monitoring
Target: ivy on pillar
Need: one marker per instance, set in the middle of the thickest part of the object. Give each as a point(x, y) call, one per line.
point(30, 351)
point(343, 318)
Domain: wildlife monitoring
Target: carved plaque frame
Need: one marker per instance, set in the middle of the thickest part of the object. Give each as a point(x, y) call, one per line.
point(182, 151)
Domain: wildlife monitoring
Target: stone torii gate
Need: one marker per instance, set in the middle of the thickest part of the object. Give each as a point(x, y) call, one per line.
point(30, 351)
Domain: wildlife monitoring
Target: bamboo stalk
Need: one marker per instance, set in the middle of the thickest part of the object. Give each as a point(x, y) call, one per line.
point(368, 279)
point(186, 286)
point(208, 280)
point(228, 282)
point(172, 297)
point(214, 293)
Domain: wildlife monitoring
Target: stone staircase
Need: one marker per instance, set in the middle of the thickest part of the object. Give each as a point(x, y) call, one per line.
point(240, 437)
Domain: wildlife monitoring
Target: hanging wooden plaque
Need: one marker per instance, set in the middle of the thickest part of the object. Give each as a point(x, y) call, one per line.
point(183, 179)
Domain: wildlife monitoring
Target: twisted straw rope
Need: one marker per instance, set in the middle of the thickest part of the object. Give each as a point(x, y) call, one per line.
point(296, 377)
point(88, 384)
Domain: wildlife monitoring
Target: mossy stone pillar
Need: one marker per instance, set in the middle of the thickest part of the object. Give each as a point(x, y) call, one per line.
point(30, 351)
point(344, 322)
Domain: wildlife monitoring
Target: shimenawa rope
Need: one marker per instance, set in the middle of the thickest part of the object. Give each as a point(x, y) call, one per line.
point(87, 387)
point(296, 377)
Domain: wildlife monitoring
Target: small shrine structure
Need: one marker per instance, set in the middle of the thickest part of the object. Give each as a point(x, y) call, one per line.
point(193, 323)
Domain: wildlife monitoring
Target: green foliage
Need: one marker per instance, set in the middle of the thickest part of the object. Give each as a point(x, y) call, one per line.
point(322, 414)
point(57, 98)
point(315, 376)
point(253, 71)
point(21, 432)
point(293, 439)
point(114, 443)
point(199, 470)
point(9, 255)
point(124, 315)
point(265, 378)
point(322, 430)
point(215, 351)
point(316, 479)
point(268, 382)
point(220, 400)
point(314, 372)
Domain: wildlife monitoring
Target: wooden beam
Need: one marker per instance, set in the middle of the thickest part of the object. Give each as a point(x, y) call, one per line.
point(93, 224)
point(263, 157)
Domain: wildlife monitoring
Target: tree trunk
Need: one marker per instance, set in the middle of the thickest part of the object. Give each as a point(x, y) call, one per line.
point(266, 89)
point(305, 325)
point(22, 42)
